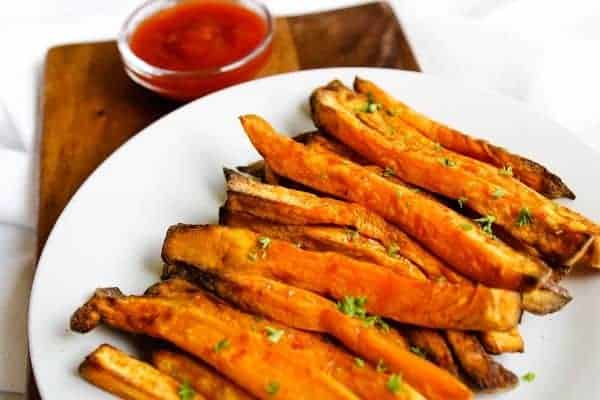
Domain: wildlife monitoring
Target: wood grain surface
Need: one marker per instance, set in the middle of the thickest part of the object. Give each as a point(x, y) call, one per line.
point(90, 107)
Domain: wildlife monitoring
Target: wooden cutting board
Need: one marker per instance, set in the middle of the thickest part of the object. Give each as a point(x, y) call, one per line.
point(90, 107)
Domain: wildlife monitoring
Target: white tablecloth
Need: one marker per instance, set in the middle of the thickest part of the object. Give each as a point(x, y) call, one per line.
point(544, 53)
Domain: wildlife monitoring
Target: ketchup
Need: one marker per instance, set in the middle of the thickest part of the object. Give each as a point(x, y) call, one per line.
point(200, 35)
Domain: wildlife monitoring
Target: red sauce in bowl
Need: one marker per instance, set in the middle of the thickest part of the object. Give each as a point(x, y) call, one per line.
point(200, 45)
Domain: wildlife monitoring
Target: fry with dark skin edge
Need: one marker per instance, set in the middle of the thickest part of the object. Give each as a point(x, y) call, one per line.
point(202, 379)
point(305, 310)
point(433, 346)
point(326, 238)
point(301, 365)
point(485, 372)
point(288, 206)
point(128, 378)
point(524, 213)
point(527, 171)
point(470, 251)
point(433, 304)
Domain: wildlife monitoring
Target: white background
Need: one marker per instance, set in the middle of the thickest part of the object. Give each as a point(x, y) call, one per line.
point(544, 53)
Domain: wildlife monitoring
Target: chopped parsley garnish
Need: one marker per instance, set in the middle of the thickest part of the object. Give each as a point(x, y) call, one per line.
point(418, 351)
point(437, 146)
point(447, 162)
point(355, 307)
point(388, 171)
point(221, 345)
point(525, 217)
point(274, 335)
point(359, 362)
point(272, 388)
point(466, 227)
point(529, 377)
point(381, 367)
point(186, 392)
point(264, 242)
point(461, 201)
point(392, 250)
point(351, 234)
point(506, 170)
point(372, 106)
point(486, 223)
point(416, 190)
point(394, 383)
point(498, 192)
point(252, 255)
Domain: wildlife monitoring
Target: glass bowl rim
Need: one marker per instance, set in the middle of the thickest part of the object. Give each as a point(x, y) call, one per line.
point(141, 67)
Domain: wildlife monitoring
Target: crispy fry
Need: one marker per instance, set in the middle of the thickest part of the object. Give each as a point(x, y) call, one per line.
point(449, 235)
point(124, 376)
point(434, 347)
point(526, 214)
point(457, 306)
point(201, 378)
point(478, 365)
point(295, 365)
point(326, 238)
point(288, 206)
point(305, 310)
point(496, 342)
point(529, 172)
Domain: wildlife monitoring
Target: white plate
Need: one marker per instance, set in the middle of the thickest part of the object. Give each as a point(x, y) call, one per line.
point(111, 232)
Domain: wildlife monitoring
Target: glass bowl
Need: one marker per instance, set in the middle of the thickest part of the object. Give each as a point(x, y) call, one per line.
point(191, 84)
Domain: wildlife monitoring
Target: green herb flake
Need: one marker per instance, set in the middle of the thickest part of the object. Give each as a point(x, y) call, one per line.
point(353, 306)
point(360, 363)
point(252, 255)
point(416, 190)
point(466, 227)
point(525, 217)
point(394, 383)
point(372, 106)
point(381, 366)
point(274, 335)
point(186, 392)
point(264, 242)
point(462, 201)
point(506, 170)
point(388, 171)
point(446, 162)
point(377, 322)
point(272, 388)
point(486, 223)
point(498, 192)
point(392, 250)
point(221, 345)
point(418, 351)
point(437, 146)
point(529, 377)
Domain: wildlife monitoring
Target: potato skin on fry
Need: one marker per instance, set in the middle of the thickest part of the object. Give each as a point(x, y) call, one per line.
point(435, 304)
point(529, 172)
point(470, 251)
point(124, 376)
point(496, 342)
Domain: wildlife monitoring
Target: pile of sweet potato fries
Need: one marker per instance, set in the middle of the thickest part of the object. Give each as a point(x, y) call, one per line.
point(383, 256)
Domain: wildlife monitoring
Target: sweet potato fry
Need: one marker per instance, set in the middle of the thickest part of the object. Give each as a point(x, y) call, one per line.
point(496, 342)
point(529, 172)
point(326, 238)
point(201, 378)
point(124, 376)
point(433, 346)
point(262, 356)
point(457, 306)
point(449, 235)
point(485, 372)
point(305, 310)
point(288, 206)
point(524, 213)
